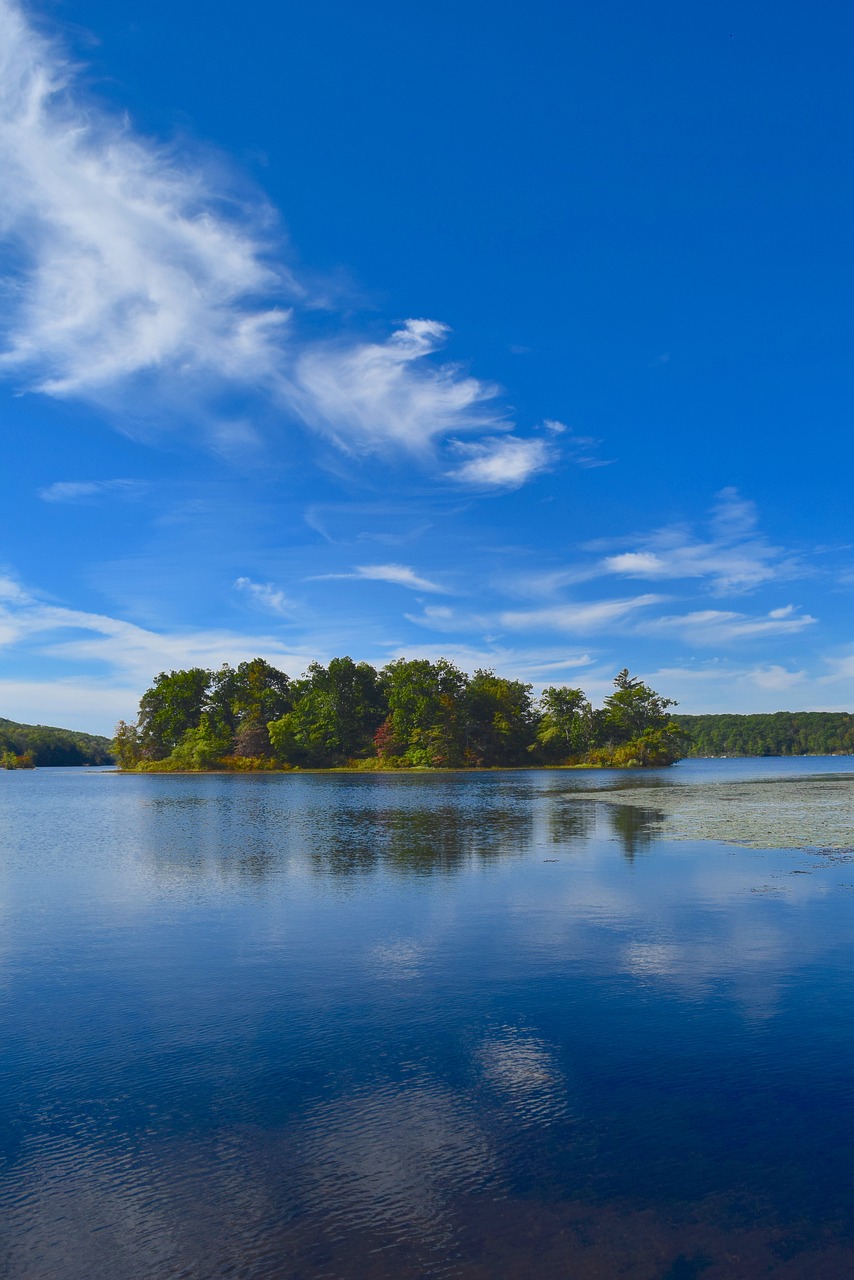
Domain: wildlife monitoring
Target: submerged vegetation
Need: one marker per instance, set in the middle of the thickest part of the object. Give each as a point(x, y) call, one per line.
point(24, 746)
point(411, 714)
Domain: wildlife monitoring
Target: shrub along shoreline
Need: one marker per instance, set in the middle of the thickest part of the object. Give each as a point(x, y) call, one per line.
point(412, 714)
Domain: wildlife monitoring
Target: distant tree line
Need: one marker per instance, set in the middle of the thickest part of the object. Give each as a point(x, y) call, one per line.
point(23, 746)
point(782, 733)
point(411, 714)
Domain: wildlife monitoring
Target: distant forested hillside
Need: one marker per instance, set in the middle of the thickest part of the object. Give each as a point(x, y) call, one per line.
point(44, 745)
point(783, 733)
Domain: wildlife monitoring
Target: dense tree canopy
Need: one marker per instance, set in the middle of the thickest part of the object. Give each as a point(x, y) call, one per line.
point(334, 714)
point(195, 718)
point(565, 724)
point(425, 722)
point(781, 733)
point(27, 745)
point(499, 719)
point(420, 714)
point(412, 714)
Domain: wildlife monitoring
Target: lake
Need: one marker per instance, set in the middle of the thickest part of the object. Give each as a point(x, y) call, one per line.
point(503, 1024)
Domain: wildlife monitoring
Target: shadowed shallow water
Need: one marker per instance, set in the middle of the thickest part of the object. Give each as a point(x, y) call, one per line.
point(475, 1025)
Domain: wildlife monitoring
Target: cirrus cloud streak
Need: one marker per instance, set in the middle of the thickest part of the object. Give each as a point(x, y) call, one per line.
point(147, 281)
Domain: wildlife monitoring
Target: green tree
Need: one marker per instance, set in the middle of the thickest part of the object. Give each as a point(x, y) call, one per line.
point(126, 745)
point(662, 746)
point(415, 713)
point(242, 702)
point(202, 746)
point(50, 746)
point(426, 724)
point(9, 760)
point(778, 733)
point(497, 719)
point(565, 726)
point(173, 704)
point(632, 709)
point(336, 711)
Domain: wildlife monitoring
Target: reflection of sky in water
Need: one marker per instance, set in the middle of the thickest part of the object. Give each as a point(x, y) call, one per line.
point(525, 1073)
point(396, 1158)
point(333, 1026)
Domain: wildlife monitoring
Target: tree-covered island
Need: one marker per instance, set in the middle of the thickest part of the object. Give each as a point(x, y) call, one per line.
point(411, 714)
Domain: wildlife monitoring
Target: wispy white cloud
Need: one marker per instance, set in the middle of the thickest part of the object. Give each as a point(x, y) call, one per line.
point(733, 556)
point(841, 669)
point(582, 450)
point(729, 557)
point(136, 651)
point(400, 575)
point(438, 616)
point(147, 282)
point(502, 462)
point(122, 654)
point(723, 626)
point(777, 678)
point(87, 490)
point(129, 266)
point(578, 617)
point(368, 395)
point(456, 621)
point(733, 517)
point(719, 685)
point(266, 595)
point(11, 592)
point(727, 569)
point(390, 523)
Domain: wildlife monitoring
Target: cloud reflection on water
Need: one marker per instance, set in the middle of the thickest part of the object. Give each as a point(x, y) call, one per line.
point(395, 1158)
point(525, 1073)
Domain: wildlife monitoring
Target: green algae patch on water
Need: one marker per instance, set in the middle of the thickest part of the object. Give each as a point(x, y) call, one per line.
point(813, 812)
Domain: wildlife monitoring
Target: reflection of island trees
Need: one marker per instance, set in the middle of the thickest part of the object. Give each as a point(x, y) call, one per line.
point(344, 828)
point(635, 828)
point(190, 836)
point(418, 841)
point(194, 859)
point(571, 823)
point(637, 781)
point(245, 836)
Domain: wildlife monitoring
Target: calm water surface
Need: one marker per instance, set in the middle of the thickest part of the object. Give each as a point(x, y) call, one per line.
point(421, 1026)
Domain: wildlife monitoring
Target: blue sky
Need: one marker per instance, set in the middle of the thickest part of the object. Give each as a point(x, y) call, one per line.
point(516, 335)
